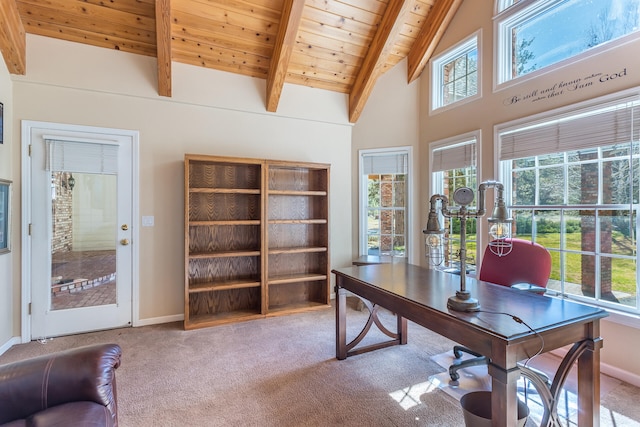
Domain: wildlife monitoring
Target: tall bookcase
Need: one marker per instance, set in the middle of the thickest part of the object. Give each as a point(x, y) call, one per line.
point(297, 236)
point(256, 238)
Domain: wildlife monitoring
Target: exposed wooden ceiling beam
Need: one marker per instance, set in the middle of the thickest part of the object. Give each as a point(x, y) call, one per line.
point(285, 40)
point(13, 41)
point(163, 46)
point(373, 64)
point(438, 20)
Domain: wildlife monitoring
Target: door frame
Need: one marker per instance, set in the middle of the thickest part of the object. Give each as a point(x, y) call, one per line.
point(27, 126)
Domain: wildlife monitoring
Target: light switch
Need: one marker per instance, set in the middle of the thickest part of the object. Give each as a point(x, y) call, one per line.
point(147, 221)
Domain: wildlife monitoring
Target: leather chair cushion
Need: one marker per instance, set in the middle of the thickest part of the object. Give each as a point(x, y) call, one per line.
point(86, 414)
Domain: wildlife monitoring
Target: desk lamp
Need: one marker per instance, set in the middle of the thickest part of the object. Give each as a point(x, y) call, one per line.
point(499, 232)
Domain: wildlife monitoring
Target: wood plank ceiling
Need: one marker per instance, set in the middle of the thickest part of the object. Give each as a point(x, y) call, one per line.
point(337, 45)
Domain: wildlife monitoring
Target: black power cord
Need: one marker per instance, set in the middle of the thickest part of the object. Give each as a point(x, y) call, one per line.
point(522, 322)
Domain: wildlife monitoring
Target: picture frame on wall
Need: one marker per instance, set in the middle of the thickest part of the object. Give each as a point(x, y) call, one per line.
point(5, 215)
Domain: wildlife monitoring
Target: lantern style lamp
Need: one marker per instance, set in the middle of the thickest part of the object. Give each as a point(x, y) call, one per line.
point(499, 232)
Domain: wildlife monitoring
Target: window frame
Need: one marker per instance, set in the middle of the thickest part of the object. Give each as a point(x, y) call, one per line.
point(437, 76)
point(509, 16)
point(363, 197)
point(502, 5)
point(437, 180)
point(505, 169)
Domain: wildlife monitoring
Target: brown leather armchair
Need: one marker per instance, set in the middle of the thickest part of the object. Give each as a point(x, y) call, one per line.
point(75, 387)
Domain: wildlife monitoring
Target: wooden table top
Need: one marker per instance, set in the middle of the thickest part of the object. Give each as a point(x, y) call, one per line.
point(431, 289)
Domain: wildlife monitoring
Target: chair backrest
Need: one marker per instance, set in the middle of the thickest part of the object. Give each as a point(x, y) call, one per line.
point(527, 262)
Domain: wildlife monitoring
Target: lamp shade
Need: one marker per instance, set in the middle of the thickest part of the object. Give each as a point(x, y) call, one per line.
point(434, 246)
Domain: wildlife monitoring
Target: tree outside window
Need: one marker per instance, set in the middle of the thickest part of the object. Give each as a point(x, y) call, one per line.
point(453, 165)
point(456, 73)
point(453, 179)
point(384, 202)
point(386, 214)
point(460, 77)
point(581, 203)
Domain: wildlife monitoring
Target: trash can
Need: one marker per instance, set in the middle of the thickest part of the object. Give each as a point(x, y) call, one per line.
point(476, 407)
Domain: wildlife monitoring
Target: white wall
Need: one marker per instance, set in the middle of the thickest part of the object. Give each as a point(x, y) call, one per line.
point(8, 296)
point(391, 119)
point(210, 113)
point(499, 107)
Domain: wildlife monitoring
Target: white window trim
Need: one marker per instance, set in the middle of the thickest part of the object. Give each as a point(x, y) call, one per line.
point(362, 199)
point(446, 57)
point(454, 140)
point(501, 26)
point(502, 5)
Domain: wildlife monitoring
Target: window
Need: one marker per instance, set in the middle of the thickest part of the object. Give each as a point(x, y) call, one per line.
point(455, 74)
point(572, 181)
point(536, 34)
point(383, 201)
point(453, 165)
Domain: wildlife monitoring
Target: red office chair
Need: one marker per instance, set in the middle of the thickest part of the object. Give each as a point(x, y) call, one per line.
point(527, 267)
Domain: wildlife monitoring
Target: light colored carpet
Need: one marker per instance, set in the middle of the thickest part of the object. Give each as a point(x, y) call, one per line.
point(272, 372)
point(477, 378)
point(281, 372)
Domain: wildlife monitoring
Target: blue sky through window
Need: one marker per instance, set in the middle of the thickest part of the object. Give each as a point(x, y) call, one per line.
point(573, 26)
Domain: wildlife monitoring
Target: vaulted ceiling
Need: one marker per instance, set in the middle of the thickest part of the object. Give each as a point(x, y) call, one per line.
point(337, 45)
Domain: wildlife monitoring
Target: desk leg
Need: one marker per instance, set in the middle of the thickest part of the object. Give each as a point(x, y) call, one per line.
point(504, 396)
point(550, 395)
point(344, 349)
point(402, 330)
point(341, 323)
point(589, 384)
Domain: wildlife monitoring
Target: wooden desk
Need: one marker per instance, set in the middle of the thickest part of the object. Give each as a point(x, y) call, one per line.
point(420, 295)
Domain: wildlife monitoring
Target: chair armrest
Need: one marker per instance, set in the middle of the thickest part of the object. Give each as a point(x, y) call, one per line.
point(80, 374)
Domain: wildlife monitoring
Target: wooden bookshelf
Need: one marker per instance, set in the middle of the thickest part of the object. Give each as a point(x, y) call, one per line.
point(256, 239)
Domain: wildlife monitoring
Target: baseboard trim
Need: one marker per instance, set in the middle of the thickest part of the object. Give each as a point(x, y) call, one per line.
point(142, 322)
point(6, 346)
point(157, 320)
point(620, 374)
point(609, 370)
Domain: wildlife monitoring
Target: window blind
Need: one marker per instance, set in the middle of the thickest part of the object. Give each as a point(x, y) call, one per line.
point(614, 123)
point(385, 163)
point(82, 157)
point(457, 156)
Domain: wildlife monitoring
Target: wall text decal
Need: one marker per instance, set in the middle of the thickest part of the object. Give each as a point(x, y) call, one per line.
point(565, 86)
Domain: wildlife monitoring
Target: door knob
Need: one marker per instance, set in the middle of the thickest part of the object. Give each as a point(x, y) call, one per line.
point(124, 227)
point(124, 242)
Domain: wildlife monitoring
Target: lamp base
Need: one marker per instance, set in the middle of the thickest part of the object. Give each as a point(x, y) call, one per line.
point(463, 302)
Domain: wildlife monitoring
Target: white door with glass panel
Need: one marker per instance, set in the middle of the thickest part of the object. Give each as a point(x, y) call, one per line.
point(384, 186)
point(80, 249)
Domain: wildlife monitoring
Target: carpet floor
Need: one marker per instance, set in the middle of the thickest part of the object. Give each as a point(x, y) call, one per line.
point(282, 371)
